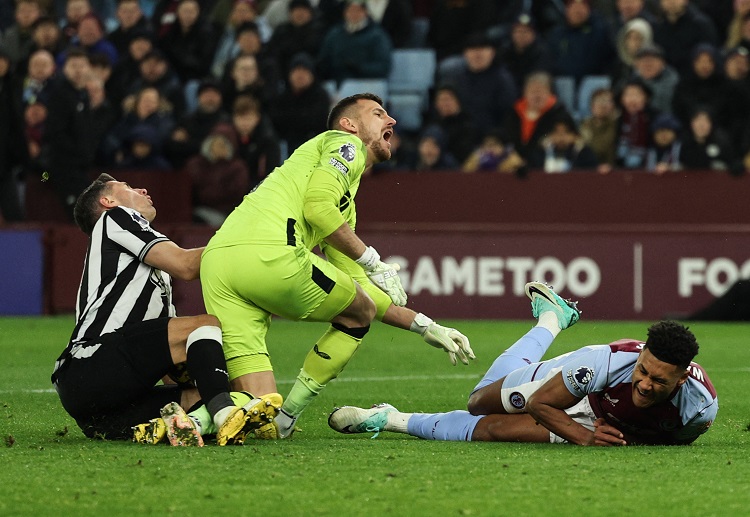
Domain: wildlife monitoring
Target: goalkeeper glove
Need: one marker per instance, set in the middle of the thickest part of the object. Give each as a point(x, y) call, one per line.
point(450, 340)
point(383, 275)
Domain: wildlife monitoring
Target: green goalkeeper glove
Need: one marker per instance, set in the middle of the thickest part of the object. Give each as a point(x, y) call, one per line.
point(383, 275)
point(450, 340)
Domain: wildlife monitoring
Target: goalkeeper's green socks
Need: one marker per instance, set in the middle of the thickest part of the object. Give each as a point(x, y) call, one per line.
point(324, 362)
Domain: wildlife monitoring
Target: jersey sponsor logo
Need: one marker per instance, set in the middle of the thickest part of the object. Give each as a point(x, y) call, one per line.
point(348, 151)
point(610, 399)
point(340, 166)
point(517, 400)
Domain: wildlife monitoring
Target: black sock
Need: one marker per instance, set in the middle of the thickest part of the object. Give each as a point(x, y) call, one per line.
point(208, 369)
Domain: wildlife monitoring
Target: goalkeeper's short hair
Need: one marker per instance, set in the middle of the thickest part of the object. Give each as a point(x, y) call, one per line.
point(343, 107)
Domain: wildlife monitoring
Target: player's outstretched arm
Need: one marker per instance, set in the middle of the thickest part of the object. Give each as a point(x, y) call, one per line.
point(547, 405)
point(178, 262)
point(453, 342)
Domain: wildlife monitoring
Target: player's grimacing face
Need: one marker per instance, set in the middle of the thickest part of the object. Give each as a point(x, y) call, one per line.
point(135, 198)
point(654, 380)
point(375, 129)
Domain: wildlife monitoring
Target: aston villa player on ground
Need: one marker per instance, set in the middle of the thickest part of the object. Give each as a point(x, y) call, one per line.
point(627, 392)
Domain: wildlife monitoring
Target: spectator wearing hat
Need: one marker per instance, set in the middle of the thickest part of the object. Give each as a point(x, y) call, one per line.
point(707, 146)
point(357, 48)
point(131, 22)
point(664, 153)
point(701, 85)
point(142, 150)
point(533, 115)
point(651, 66)
point(303, 32)
point(257, 142)
point(599, 130)
point(432, 154)
point(451, 22)
point(634, 124)
point(154, 70)
point(300, 111)
point(736, 112)
point(563, 150)
point(485, 86)
point(582, 45)
point(241, 12)
point(633, 36)
point(525, 51)
point(681, 27)
point(192, 128)
point(189, 44)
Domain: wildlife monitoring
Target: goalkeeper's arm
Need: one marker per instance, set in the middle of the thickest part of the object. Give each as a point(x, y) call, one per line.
point(451, 340)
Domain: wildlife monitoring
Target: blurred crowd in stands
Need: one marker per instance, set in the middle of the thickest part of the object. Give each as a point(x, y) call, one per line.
point(226, 89)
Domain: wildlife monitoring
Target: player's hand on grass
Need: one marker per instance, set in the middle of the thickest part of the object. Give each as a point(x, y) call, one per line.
point(383, 275)
point(606, 435)
point(449, 339)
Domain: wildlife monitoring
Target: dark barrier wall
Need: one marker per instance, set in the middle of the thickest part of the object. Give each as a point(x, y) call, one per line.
point(629, 245)
point(21, 272)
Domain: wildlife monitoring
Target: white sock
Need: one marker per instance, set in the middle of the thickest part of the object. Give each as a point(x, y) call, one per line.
point(548, 320)
point(398, 422)
point(221, 416)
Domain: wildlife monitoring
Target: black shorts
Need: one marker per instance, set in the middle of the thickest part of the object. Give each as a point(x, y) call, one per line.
point(108, 385)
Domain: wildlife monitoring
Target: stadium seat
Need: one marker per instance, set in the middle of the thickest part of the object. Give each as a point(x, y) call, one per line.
point(565, 89)
point(586, 89)
point(352, 86)
point(407, 109)
point(409, 83)
point(412, 70)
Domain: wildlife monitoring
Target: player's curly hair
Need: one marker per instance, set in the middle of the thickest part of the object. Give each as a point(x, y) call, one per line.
point(87, 209)
point(342, 106)
point(672, 343)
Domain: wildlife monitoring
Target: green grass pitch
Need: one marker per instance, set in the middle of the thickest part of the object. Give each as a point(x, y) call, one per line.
point(47, 467)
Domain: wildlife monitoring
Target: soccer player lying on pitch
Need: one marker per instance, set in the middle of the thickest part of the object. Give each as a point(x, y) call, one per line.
point(127, 336)
point(624, 393)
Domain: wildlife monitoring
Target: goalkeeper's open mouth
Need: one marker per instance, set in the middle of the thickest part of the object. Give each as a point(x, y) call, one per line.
point(387, 136)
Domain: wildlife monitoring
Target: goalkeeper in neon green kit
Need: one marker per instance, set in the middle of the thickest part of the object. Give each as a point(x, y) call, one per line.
point(260, 263)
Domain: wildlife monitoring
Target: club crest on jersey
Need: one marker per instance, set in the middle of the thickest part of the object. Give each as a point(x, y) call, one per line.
point(347, 152)
point(138, 218)
point(517, 400)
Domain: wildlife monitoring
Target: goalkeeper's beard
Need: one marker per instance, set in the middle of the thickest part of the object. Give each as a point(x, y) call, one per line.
point(379, 151)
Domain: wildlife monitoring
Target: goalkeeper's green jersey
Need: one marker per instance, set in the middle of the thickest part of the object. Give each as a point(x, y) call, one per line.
point(304, 200)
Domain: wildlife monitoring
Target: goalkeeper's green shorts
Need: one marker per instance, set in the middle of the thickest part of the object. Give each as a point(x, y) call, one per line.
point(244, 285)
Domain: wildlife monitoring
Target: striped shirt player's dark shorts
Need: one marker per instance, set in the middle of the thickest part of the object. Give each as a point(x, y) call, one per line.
point(108, 384)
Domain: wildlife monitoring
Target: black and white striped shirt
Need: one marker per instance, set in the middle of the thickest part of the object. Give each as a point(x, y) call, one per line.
point(117, 287)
